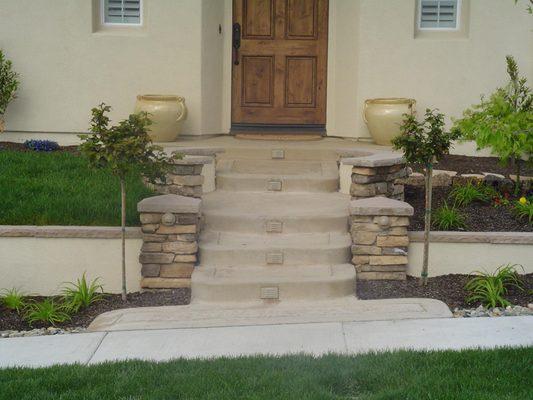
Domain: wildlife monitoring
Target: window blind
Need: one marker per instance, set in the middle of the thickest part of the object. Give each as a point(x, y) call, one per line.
point(122, 11)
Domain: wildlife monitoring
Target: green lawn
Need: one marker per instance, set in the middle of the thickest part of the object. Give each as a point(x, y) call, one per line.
point(60, 189)
point(470, 375)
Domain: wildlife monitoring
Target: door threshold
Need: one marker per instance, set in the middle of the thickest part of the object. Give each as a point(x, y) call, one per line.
point(278, 132)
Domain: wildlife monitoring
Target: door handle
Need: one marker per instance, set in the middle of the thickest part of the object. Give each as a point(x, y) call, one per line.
point(236, 42)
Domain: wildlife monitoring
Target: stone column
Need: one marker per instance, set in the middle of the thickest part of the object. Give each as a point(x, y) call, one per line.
point(170, 227)
point(378, 226)
point(186, 178)
point(376, 175)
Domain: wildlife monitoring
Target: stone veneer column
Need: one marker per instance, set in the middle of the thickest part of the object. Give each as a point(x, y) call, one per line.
point(170, 227)
point(186, 178)
point(375, 175)
point(378, 227)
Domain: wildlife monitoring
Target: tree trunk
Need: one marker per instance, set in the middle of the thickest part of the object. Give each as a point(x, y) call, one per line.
point(427, 223)
point(517, 169)
point(123, 226)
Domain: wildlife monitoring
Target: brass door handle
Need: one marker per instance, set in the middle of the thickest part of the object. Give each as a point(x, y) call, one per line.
point(236, 42)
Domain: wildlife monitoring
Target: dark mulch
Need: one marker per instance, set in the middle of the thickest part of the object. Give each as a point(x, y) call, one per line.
point(447, 288)
point(20, 147)
point(10, 320)
point(477, 165)
point(479, 216)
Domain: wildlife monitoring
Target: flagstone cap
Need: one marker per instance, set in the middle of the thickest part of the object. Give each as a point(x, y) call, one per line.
point(381, 159)
point(380, 206)
point(170, 203)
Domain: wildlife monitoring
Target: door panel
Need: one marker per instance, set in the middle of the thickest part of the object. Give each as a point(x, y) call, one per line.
point(280, 69)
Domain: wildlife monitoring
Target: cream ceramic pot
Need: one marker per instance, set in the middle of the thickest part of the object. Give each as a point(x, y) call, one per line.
point(167, 114)
point(384, 117)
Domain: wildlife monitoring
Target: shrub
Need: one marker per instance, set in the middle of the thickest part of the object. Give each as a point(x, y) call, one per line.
point(504, 122)
point(46, 311)
point(13, 299)
point(463, 195)
point(490, 289)
point(41, 145)
point(446, 218)
point(523, 209)
point(9, 83)
point(82, 293)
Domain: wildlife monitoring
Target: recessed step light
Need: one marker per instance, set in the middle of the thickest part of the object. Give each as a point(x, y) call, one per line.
point(278, 154)
point(274, 258)
point(274, 226)
point(274, 185)
point(270, 293)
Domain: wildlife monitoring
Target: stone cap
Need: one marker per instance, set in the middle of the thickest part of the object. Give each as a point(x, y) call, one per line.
point(380, 206)
point(382, 159)
point(193, 160)
point(170, 203)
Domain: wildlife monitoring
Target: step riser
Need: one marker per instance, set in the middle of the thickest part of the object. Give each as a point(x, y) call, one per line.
point(257, 225)
point(289, 154)
point(256, 257)
point(239, 184)
point(202, 292)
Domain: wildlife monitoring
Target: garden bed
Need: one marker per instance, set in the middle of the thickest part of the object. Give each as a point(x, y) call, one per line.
point(447, 288)
point(59, 188)
point(479, 217)
point(477, 165)
point(10, 320)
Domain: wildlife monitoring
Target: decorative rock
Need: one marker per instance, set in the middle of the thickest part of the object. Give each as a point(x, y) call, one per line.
point(492, 312)
point(180, 247)
point(442, 178)
point(168, 219)
point(147, 218)
point(383, 221)
point(467, 178)
point(366, 250)
point(156, 258)
point(150, 270)
point(42, 332)
point(393, 241)
point(388, 260)
point(177, 270)
point(151, 247)
point(177, 229)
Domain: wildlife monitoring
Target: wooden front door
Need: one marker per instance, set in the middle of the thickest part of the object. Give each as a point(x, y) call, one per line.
point(280, 67)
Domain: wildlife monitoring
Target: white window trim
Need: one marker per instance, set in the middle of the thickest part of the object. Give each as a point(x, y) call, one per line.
point(457, 19)
point(103, 12)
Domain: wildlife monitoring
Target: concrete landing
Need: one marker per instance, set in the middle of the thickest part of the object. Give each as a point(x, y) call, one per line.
point(203, 315)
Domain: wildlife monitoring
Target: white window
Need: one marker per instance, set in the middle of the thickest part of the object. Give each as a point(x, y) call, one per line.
point(124, 12)
point(439, 14)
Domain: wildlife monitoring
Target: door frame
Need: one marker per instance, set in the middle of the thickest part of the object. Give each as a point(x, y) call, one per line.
point(228, 65)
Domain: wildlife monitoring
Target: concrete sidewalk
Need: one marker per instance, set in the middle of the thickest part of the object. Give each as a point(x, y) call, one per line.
point(311, 338)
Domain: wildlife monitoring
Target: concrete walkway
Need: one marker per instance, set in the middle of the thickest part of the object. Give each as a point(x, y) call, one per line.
point(311, 338)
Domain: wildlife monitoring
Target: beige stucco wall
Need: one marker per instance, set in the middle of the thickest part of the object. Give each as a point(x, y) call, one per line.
point(42, 265)
point(68, 66)
point(465, 258)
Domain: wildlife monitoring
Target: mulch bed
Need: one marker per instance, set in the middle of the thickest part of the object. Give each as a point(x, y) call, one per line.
point(20, 147)
point(447, 288)
point(477, 165)
point(479, 217)
point(10, 320)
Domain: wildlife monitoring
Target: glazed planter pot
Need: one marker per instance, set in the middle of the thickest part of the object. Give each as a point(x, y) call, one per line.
point(167, 114)
point(384, 117)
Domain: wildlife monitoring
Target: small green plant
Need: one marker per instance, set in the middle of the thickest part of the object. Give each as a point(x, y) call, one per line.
point(46, 311)
point(9, 82)
point(523, 209)
point(463, 195)
point(504, 122)
point(490, 289)
point(13, 299)
point(448, 218)
point(82, 294)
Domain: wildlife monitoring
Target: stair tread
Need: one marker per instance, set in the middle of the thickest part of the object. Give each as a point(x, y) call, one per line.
point(232, 241)
point(284, 168)
point(280, 204)
point(274, 274)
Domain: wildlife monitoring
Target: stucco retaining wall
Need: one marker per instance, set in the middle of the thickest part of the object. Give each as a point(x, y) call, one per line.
point(39, 259)
point(465, 252)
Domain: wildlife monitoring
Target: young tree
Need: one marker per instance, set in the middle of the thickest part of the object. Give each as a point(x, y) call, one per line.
point(503, 123)
point(9, 82)
point(123, 149)
point(424, 143)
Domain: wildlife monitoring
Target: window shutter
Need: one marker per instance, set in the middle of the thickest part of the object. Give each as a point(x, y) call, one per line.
point(122, 11)
point(438, 14)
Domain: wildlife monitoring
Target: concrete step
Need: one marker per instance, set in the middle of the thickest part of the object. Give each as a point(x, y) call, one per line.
point(319, 282)
point(277, 175)
point(259, 213)
point(243, 250)
point(286, 151)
